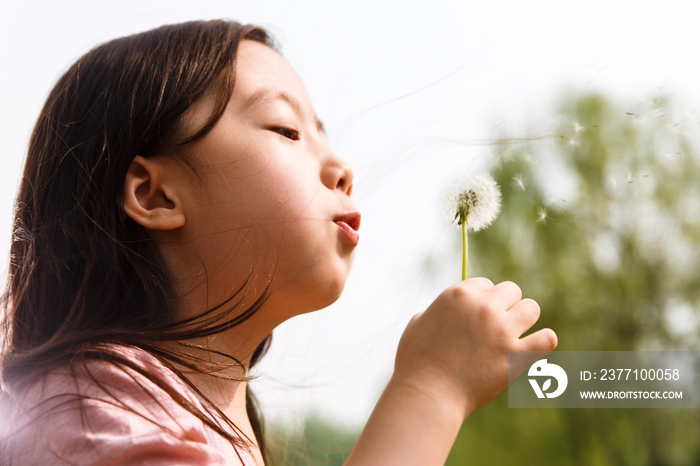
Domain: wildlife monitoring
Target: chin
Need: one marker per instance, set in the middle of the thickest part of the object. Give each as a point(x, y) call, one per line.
point(322, 293)
point(328, 292)
point(337, 280)
point(316, 289)
point(311, 301)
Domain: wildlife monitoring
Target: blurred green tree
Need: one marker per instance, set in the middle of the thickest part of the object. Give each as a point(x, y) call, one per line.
point(614, 267)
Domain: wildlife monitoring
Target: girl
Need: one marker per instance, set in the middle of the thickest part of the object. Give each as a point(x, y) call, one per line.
point(179, 201)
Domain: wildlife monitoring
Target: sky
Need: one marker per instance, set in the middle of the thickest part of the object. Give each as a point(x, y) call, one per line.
point(408, 92)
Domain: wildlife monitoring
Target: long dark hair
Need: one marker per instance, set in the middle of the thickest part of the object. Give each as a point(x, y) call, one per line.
point(82, 273)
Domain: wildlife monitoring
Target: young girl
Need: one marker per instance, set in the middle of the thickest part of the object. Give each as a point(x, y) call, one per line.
point(179, 201)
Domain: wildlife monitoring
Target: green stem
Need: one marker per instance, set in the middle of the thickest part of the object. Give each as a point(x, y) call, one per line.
point(465, 250)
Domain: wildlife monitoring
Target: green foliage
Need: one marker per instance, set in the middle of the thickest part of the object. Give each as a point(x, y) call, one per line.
point(611, 266)
point(320, 443)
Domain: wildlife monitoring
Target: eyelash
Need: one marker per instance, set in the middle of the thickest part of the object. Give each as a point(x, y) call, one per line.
point(287, 133)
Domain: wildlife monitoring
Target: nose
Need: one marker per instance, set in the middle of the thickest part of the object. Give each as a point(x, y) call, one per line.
point(337, 174)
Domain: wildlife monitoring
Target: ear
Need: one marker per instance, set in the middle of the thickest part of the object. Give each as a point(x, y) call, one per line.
point(150, 195)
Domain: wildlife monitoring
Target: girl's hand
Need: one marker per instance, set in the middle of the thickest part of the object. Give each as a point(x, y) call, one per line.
point(457, 349)
point(452, 360)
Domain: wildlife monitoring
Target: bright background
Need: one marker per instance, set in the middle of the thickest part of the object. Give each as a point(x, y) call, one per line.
point(409, 92)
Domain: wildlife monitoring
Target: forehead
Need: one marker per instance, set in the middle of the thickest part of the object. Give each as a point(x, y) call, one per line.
point(262, 73)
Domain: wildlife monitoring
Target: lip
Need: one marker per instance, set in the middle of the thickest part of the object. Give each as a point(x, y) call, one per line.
point(350, 224)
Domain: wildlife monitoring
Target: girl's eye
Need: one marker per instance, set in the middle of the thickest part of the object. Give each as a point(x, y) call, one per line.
point(287, 133)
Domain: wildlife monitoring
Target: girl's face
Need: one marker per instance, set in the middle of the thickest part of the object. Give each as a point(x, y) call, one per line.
point(272, 195)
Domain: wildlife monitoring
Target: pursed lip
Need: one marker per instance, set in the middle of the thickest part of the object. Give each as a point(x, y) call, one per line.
point(351, 219)
point(349, 223)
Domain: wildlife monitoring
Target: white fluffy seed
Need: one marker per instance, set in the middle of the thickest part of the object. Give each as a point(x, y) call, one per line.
point(478, 197)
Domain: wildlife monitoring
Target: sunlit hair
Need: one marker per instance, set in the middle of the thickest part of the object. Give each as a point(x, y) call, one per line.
point(82, 273)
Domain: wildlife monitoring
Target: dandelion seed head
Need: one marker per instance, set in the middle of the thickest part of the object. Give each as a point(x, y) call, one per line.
point(476, 198)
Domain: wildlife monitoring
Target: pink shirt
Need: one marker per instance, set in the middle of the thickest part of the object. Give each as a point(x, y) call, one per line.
point(103, 432)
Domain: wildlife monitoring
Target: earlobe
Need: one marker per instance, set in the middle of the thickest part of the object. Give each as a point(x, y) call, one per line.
point(150, 195)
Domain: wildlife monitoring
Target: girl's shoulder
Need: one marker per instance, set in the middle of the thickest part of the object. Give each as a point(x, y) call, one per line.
point(112, 414)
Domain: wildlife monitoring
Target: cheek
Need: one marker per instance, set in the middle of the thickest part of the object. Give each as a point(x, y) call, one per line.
point(279, 189)
point(271, 226)
point(314, 264)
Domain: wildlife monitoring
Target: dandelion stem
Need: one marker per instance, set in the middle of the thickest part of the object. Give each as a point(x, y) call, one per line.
point(465, 250)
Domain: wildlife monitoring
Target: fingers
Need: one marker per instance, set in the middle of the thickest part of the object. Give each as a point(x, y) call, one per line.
point(504, 295)
point(523, 315)
point(541, 340)
point(479, 284)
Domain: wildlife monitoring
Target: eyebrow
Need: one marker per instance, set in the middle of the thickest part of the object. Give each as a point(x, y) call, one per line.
point(264, 96)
